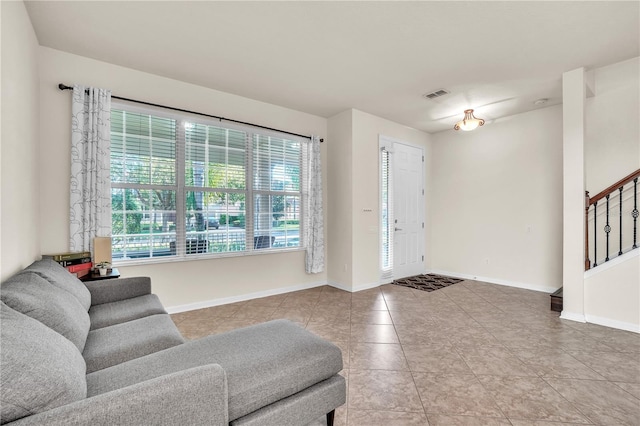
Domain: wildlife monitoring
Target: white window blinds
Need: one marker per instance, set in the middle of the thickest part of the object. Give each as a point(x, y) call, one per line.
point(216, 190)
point(143, 184)
point(277, 200)
point(387, 221)
point(189, 188)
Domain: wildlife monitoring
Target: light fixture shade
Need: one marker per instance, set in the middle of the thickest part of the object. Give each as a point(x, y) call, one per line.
point(469, 122)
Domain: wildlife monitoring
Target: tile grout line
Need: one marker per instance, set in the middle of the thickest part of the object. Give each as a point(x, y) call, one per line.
point(455, 348)
point(413, 379)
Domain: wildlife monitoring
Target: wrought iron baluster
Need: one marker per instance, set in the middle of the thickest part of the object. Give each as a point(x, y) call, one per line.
point(595, 234)
point(620, 202)
point(607, 229)
point(634, 213)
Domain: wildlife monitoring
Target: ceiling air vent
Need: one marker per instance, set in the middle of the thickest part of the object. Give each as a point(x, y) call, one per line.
point(436, 94)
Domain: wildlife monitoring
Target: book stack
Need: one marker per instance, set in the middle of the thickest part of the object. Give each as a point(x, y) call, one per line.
point(77, 263)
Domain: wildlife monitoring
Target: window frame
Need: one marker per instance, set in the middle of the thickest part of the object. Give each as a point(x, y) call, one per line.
point(181, 189)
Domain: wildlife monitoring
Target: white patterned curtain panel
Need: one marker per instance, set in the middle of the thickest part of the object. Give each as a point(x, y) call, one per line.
point(90, 209)
point(314, 218)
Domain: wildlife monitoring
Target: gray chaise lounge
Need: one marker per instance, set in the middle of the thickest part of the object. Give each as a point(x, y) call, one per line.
point(107, 353)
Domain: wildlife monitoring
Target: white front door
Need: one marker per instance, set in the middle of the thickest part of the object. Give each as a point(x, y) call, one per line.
point(408, 206)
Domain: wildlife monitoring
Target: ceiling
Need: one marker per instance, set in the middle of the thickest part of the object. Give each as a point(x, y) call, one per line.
point(379, 57)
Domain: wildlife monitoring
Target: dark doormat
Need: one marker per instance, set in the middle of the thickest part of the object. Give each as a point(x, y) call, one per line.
point(428, 282)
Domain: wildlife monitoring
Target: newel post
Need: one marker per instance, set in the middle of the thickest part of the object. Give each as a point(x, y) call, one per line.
point(587, 262)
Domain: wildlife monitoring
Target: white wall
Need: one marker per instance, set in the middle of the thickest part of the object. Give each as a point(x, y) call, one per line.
point(574, 90)
point(612, 293)
point(354, 243)
point(612, 151)
point(177, 283)
point(20, 220)
point(339, 209)
point(612, 138)
point(366, 191)
point(612, 147)
point(496, 202)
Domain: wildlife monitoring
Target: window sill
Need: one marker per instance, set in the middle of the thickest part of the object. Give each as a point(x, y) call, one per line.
point(176, 259)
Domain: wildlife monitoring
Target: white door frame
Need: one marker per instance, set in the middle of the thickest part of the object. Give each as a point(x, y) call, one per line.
point(388, 143)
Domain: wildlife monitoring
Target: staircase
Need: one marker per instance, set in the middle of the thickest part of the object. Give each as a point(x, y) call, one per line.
point(556, 300)
point(611, 219)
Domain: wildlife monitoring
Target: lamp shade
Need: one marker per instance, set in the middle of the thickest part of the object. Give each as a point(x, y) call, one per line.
point(469, 122)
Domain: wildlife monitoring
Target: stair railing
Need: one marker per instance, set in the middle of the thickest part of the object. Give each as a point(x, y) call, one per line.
point(608, 195)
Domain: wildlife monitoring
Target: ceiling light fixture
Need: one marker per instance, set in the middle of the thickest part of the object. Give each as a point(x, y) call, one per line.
point(469, 122)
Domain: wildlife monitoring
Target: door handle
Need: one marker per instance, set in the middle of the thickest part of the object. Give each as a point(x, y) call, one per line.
point(397, 229)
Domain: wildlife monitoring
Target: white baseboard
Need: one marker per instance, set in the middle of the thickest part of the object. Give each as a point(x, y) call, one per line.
point(339, 286)
point(572, 316)
point(242, 297)
point(627, 326)
point(354, 289)
point(361, 287)
point(498, 281)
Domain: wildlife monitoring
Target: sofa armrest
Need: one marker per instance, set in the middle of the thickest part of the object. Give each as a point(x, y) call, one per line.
point(196, 396)
point(105, 291)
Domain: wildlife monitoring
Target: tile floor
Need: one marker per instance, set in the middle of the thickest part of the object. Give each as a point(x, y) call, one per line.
point(469, 354)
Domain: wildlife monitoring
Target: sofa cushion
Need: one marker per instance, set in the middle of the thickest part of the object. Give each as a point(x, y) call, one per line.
point(40, 369)
point(304, 407)
point(58, 276)
point(37, 298)
point(118, 343)
point(107, 291)
point(264, 363)
point(125, 310)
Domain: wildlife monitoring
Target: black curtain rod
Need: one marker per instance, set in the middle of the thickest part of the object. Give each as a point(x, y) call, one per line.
point(65, 87)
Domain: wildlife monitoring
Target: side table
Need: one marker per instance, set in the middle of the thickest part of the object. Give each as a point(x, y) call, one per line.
point(95, 275)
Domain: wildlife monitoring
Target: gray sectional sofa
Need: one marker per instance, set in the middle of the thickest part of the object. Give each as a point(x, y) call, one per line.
point(107, 353)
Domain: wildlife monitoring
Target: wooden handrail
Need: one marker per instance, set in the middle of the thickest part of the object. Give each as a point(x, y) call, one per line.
point(600, 195)
point(589, 201)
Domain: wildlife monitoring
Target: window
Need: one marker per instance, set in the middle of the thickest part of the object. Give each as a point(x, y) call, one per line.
point(386, 215)
point(190, 188)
